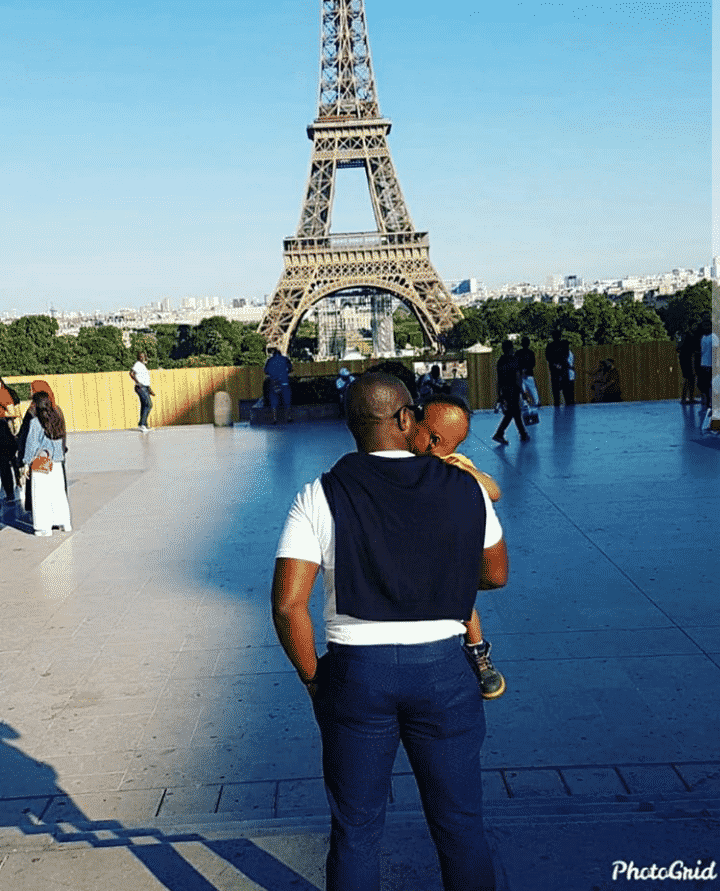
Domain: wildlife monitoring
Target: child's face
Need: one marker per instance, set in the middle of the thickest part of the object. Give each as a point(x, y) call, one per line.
point(441, 430)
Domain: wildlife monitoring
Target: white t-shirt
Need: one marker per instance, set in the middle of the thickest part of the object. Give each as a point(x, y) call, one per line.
point(142, 375)
point(309, 534)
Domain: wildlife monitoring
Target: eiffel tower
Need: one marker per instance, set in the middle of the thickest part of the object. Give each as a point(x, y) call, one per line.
point(350, 132)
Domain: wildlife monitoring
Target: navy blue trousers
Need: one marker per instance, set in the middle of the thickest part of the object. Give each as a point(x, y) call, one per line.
point(145, 404)
point(370, 698)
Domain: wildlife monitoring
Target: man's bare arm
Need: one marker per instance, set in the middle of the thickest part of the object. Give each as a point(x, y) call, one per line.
point(494, 567)
point(291, 589)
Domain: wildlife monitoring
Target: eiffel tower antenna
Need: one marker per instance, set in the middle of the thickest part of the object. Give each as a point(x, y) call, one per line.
point(350, 132)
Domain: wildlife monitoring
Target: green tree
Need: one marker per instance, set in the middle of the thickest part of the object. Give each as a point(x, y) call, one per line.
point(142, 342)
point(638, 323)
point(501, 318)
point(29, 345)
point(406, 329)
point(304, 340)
point(101, 348)
point(595, 321)
point(686, 308)
point(213, 337)
point(252, 347)
point(166, 339)
point(537, 320)
point(65, 355)
point(468, 331)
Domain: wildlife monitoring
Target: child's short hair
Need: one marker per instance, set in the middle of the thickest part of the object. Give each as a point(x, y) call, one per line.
point(448, 399)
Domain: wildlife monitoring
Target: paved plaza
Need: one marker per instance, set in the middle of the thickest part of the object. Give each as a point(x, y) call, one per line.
point(154, 736)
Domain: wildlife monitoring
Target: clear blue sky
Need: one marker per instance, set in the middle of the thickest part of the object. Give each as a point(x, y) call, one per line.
point(158, 148)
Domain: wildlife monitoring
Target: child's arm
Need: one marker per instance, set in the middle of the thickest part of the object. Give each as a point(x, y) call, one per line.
point(485, 480)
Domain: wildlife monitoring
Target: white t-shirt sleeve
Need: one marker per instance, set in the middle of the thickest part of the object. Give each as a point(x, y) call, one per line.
point(493, 529)
point(302, 532)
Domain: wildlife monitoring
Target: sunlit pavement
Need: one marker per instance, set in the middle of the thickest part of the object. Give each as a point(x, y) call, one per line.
point(155, 736)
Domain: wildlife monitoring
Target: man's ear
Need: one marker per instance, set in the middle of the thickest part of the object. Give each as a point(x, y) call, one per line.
point(406, 421)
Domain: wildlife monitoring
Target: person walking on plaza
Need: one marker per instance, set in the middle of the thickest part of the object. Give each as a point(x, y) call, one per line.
point(278, 368)
point(404, 543)
point(562, 373)
point(141, 376)
point(509, 388)
point(686, 351)
point(526, 361)
point(45, 439)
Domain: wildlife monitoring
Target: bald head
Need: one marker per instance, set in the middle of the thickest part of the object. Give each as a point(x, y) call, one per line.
point(374, 412)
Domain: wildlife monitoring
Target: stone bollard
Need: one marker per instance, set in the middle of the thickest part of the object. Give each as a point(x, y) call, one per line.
point(223, 409)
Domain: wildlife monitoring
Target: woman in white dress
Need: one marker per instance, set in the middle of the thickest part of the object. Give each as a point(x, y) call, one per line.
point(50, 505)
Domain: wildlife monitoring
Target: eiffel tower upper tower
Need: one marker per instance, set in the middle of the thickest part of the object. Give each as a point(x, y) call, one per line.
point(350, 132)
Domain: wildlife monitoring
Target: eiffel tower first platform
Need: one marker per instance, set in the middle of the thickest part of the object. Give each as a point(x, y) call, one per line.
point(350, 132)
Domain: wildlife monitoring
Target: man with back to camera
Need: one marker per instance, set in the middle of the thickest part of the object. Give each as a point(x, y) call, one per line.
point(404, 542)
point(277, 369)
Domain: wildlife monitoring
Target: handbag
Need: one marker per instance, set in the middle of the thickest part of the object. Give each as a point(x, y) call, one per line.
point(41, 463)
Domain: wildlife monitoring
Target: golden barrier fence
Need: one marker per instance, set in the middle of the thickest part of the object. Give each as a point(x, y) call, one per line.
point(107, 400)
point(648, 372)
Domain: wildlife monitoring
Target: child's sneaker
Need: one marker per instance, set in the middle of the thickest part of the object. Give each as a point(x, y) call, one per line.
point(492, 683)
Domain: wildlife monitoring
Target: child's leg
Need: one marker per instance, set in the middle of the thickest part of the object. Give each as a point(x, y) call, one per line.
point(492, 683)
point(474, 634)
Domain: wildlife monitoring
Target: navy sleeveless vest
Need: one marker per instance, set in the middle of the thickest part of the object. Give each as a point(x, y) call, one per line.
point(409, 536)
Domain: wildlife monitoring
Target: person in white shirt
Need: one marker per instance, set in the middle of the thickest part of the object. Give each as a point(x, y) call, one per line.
point(141, 376)
point(708, 342)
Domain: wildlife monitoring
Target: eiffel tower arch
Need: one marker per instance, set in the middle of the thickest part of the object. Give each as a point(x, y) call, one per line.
point(350, 132)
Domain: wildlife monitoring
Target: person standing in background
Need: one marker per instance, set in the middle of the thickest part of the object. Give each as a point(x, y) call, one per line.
point(526, 361)
point(708, 341)
point(45, 437)
point(8, 443)
point(686, 351)
point(277, 369)
point(558, 354)
point(141, 376)
point(37, 386)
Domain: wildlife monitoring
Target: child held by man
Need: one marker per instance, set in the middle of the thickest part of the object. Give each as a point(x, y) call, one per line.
point(444, 425)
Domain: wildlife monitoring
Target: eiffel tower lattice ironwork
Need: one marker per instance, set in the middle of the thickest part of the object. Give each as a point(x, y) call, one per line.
point(350, 132)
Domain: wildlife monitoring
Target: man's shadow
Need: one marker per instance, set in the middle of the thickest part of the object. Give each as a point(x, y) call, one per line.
point(32, 801)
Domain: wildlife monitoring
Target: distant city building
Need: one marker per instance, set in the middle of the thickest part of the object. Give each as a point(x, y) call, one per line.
point(653, 290)
point(466, 286)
